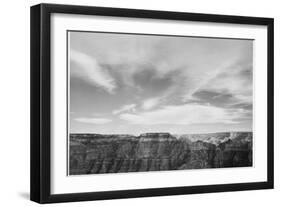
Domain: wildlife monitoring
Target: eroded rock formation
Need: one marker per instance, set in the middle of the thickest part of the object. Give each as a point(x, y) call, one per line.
point(96, 153)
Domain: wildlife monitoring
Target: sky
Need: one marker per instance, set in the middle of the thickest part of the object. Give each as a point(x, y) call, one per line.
point(132, 84)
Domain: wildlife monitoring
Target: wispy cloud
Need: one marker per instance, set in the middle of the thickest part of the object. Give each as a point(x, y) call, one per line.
point(184, 115)
point(91, 71)
point(125, 108)
point(234, 81)
point(170, 80)
point(88, 120)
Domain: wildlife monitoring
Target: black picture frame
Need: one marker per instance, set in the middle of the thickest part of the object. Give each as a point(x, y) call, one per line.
point(41, 102)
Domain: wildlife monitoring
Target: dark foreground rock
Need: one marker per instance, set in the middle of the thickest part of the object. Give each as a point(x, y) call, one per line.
point(96, 153)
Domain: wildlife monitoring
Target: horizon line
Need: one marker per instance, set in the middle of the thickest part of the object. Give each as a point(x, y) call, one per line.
point(242, 131)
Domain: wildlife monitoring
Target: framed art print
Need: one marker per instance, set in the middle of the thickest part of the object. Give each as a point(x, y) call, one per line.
point(132, 103)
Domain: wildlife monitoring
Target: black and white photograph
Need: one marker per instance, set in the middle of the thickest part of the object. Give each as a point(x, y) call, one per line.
point(149, 102)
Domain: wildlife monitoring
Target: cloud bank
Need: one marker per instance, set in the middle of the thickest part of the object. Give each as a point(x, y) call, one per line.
point(184, 115)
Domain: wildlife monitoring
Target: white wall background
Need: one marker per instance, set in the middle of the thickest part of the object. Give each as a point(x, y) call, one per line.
point(14, 102)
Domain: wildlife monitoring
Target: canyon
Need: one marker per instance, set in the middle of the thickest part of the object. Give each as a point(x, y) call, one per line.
point(117, 153)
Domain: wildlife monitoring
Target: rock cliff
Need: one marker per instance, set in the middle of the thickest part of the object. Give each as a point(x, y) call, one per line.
point(96, 153)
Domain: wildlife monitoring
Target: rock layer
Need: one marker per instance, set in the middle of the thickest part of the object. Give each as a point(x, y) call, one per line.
point(96, 153)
